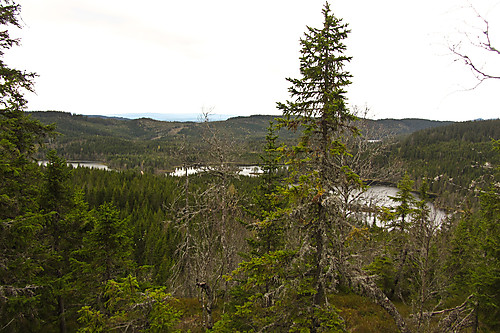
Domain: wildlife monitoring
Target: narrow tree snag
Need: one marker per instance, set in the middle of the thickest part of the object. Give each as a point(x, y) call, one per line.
point(396, 290)
point(207, 306)
point(62, 314)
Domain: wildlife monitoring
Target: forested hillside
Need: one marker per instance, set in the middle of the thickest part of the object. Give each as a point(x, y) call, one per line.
point(452, 156)
point(296, 249)
point(456, 159)
point(154, 145)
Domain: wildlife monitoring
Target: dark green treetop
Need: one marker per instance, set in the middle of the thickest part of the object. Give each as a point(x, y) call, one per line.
point(318, 98)
point(19, 134)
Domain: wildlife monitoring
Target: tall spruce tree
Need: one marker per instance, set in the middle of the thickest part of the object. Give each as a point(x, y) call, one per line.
point(291, 286)
point(63, 219)
point(318, 107)
point(19, 174)
point(19, 134)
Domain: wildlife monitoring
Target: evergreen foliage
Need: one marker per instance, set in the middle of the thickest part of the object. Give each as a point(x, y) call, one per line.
point(128, 308)
point(97, 251)
point(266, 226)
point(475, 260)
point(296, 282)
point(20, 221)
point(457, 159)
point(64, 223)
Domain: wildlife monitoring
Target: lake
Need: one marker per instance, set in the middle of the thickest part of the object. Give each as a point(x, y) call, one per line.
point(83, 164)
point(377, 195)
point(244, 170)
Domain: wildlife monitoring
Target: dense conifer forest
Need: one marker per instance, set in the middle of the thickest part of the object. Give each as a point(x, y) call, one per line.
point(134, 249)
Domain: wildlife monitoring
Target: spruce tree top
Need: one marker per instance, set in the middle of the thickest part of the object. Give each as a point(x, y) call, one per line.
point(320, 94)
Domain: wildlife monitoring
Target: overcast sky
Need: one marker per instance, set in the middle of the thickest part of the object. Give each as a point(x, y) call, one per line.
point(114, 57)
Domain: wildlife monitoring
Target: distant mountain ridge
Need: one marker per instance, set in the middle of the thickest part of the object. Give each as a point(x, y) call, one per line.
point(125, 143)
point(67, 122)
point(181, 117)
point(394, 127)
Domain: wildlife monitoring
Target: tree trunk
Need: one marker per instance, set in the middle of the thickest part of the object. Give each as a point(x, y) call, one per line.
point(396, 289)
point(208, 305)
point(61, 314)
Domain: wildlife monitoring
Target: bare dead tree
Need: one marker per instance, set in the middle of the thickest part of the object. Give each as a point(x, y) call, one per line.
point(211, 235)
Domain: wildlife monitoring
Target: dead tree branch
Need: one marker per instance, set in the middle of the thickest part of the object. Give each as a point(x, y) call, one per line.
point(485, 43)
